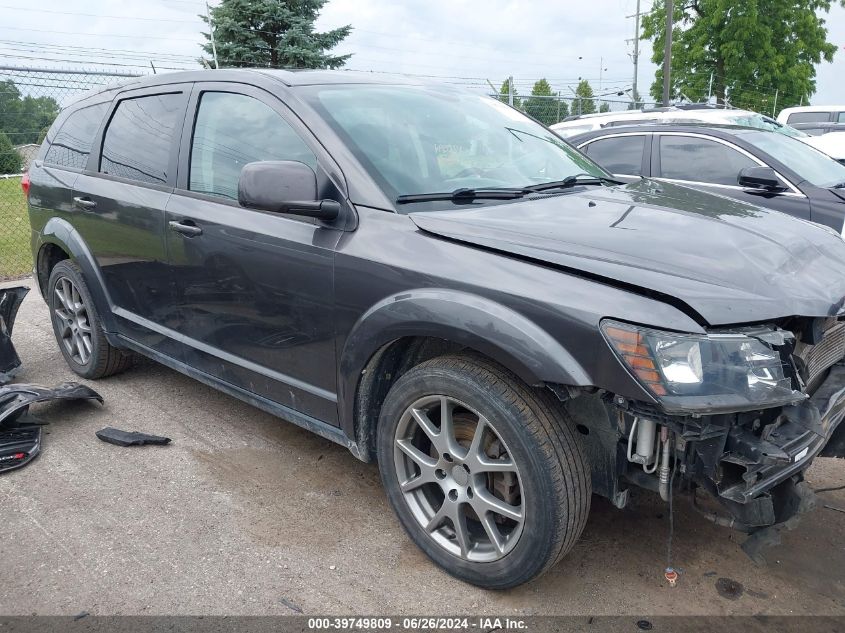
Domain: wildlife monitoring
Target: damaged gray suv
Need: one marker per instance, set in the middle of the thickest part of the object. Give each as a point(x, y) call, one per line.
point(440, 284)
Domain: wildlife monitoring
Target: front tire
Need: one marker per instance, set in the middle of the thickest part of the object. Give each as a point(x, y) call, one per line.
point(77, 325)
point(486, 475)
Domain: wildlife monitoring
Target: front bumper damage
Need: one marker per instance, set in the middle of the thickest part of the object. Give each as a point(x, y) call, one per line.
point(751, 463)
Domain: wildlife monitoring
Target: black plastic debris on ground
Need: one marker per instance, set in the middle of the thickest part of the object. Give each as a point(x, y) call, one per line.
point(10, 301)
point(15, 399)
point(130, 438)
point(20, 443)
point(20, 433)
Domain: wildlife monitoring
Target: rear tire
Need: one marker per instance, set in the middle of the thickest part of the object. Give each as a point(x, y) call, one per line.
point(77, 325)
point(495, 517)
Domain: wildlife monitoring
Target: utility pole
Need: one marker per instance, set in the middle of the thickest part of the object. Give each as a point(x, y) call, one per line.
point(667, 52)
point(636, 55)
point(601, 69)
point(710, 89)
point(510, 91)
point(636, 50)
point(211, 31)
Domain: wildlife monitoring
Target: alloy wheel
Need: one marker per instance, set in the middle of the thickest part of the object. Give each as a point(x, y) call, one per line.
point(74, 325)
point(459, 479)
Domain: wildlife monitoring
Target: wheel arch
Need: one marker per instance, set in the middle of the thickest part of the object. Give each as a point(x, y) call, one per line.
point(60, 241)
point(408, 328)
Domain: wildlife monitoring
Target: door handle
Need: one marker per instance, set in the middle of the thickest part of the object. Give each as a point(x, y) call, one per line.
point(189, 230)
point(86, 204)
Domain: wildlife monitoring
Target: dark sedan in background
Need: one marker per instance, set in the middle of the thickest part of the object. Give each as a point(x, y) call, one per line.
point(756, 166)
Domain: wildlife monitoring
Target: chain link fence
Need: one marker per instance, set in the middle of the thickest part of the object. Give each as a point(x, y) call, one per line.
point(556, 108)
point(30, 100)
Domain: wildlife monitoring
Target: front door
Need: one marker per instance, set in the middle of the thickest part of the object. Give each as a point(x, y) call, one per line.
point(713, 165)
point(255, 289)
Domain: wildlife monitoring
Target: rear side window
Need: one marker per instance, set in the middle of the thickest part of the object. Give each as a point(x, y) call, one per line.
point(808, 117)
point(701, 160)
point(619, 155)
point(139, 137)
point(72, 143)
point(840, 117)
point(232, 130)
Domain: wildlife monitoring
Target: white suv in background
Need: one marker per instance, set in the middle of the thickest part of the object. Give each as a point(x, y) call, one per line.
point(832, 144)
point(813, 114)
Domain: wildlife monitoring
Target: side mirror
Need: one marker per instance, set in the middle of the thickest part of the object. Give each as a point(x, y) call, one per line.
point(284, 186)
point(763, 178)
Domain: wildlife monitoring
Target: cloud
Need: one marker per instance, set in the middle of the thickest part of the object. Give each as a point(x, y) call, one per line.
point(465, 42)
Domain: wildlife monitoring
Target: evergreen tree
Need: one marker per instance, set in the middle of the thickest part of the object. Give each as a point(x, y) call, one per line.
point(584, 104)
point(503, 95)
point(272, 34)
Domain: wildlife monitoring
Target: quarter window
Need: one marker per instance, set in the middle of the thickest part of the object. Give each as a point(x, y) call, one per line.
point(138, 140)
point(619, 155)
point(72, 144)
point(840, 117)
point(701, 160)
point(232, 130)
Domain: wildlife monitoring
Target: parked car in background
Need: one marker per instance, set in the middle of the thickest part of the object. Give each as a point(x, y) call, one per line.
point(812, 114)
point(695, 113)
point(817, 129)
point(754, 165)
point(440, 284)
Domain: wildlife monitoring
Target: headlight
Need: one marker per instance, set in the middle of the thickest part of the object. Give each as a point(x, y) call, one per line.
point(704, 373)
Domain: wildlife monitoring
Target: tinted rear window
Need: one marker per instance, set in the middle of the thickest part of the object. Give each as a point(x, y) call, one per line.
point(72, 143)
point(808, 117)
point(139, 137)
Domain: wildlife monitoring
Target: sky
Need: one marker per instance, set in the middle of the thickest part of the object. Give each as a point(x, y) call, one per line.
point(465, 42)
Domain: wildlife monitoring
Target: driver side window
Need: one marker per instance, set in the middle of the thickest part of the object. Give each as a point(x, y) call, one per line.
point(232, 130)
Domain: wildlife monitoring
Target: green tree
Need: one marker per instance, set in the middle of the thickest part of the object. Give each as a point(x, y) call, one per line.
point(751, 48)
point(272, 34)
point(541, 104)
point(503, 95)
point(23, 117)
point(584, 104)
point(636, 101)
point(604, 107)
point(10, 160)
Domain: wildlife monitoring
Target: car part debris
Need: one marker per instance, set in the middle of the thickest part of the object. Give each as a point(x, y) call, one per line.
point(15, 399)
point(10, 301)
point(20, 443)
point(130, 438)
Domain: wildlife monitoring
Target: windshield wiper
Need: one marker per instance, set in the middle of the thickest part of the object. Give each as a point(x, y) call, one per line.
point(571, 181)
point(506, 193)
point(464, 195)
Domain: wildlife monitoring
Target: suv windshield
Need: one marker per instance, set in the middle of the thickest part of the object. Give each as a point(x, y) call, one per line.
point(423, 139)
point(809, 163)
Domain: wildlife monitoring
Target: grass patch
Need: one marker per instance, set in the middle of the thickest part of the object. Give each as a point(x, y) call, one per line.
point(15, 256)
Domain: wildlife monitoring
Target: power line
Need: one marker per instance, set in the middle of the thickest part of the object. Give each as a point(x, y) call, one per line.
point(98, 15)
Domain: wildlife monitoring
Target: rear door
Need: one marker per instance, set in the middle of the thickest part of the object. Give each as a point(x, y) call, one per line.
point(626, 155)
point(255, 289)
point(119, 201)
point(713, 164)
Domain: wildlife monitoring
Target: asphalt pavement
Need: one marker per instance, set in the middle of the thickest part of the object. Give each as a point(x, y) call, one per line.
point(245, 514)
